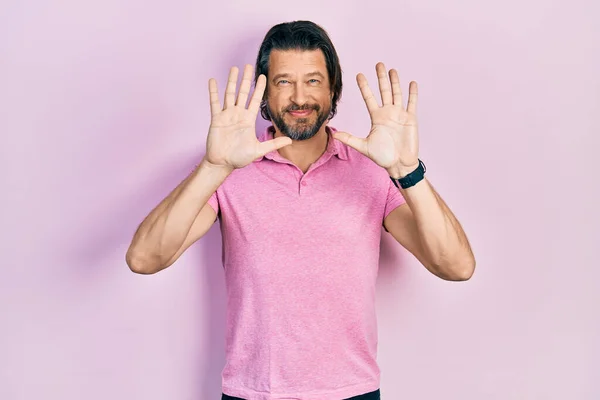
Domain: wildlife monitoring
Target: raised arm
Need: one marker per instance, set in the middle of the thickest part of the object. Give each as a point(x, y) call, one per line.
point(184, 216)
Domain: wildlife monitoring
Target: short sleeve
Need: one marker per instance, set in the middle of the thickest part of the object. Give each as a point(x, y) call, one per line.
point(213, 201)
point(394, 199)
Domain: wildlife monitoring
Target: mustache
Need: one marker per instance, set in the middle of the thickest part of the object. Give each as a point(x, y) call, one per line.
point(295, 107)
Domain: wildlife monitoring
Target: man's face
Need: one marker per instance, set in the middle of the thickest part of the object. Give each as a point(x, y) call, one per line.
point(299, 96)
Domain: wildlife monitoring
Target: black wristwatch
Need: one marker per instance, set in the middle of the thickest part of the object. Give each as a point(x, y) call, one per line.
point(411, 179)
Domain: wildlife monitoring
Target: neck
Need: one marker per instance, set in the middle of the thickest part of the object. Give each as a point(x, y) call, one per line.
point(303, 153)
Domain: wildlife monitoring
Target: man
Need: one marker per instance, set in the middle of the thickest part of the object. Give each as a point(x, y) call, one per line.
point(301, 209)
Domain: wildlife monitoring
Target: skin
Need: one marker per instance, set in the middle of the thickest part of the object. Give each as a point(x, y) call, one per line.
point(300, 79)
point(298, 101)
point(425, 225)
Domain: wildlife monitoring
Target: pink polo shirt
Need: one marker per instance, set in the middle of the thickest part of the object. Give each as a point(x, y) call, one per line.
point(301, 254)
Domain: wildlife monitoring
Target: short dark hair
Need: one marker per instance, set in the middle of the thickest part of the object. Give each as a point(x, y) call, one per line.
point(300, 35)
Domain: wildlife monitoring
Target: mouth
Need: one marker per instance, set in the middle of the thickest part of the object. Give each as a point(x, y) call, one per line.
point(300, 113)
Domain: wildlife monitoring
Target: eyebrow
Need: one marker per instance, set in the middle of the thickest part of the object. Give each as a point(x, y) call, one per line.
point(286, 75)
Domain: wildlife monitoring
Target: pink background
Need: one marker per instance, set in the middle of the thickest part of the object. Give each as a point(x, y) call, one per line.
point(104, 109)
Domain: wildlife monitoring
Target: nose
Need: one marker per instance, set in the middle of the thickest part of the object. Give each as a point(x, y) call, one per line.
point(299, 95)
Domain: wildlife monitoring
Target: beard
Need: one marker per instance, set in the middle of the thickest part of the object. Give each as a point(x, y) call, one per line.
point(301, 129)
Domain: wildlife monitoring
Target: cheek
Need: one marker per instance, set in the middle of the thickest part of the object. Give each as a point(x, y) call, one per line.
point(324, 96)
point(325, 101)
point(277, 100)
point(273, 104)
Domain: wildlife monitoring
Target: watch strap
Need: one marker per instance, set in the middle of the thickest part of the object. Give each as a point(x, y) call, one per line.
point(411, 179)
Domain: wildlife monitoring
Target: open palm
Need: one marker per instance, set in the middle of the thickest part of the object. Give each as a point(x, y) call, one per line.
point(393, 141)
point(231, 139)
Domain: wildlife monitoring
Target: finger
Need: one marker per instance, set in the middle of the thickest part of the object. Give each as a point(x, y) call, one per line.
point(366, 92)
point(384, 84)
point(257, 96)
point(245, 86)
point(356, 143)
point(215, 104)
point(396, 88)
point(412, 98)
point(230, 89)
point(273, 144)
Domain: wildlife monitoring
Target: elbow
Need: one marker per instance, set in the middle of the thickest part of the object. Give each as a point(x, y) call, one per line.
point(462, 271)
point(456, 271)
point(140, 265)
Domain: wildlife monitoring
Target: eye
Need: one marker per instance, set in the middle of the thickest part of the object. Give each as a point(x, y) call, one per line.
point(314, 81)
point(282, 81)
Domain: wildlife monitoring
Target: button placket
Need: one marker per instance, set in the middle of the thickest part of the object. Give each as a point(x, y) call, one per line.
point(302, 185)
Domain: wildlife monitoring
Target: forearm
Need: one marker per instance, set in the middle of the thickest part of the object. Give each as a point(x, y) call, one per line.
point(442, 237)
point(164, 230)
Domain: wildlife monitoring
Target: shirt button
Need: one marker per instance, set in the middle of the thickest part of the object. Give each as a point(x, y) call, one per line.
point(303, 183)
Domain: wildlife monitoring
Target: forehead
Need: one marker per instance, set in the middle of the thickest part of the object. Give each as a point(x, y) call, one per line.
point(297, 61)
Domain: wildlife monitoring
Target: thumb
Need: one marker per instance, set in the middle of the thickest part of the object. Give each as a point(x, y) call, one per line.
point(355, 142)
point(273, 144)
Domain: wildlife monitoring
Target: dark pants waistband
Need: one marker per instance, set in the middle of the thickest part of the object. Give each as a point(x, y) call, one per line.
point(376, 395)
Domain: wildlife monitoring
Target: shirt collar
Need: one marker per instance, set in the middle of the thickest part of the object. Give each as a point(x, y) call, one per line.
point(334, 147)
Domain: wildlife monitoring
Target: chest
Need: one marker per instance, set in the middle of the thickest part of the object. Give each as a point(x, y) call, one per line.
point(281, 201)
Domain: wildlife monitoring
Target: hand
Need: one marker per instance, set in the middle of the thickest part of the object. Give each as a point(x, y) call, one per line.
point(393, 142)
point(231, 140)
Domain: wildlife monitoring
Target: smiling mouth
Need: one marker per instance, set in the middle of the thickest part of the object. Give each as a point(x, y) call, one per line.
point(301, 113)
